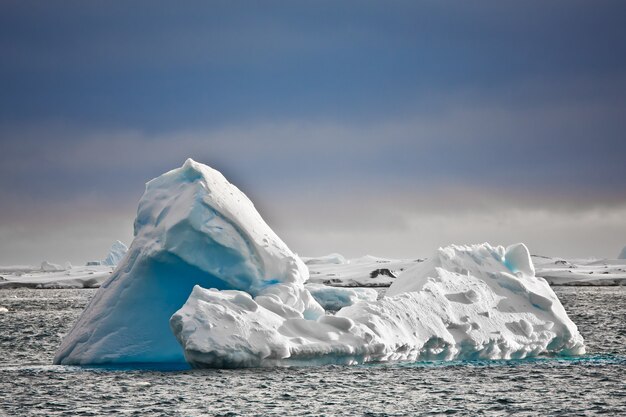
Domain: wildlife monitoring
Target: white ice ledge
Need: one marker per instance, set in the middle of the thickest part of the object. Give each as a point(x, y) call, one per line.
point(465, 302)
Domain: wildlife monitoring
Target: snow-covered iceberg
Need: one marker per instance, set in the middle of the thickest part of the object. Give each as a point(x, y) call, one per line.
point(116, 254)
point(192, 228)
point(50, 267)
point(204, 264)
point(475, 302)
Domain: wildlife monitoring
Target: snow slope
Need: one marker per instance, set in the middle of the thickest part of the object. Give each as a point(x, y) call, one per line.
point(336, 298)
point(367, 271)
point(192, 227)
point(476, 302)
point(581, 272)
point(333, 258)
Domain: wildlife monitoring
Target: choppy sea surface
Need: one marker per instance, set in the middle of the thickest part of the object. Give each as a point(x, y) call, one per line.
point(593, 384)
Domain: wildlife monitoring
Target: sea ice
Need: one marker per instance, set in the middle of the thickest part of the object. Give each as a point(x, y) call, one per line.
point(192, 227)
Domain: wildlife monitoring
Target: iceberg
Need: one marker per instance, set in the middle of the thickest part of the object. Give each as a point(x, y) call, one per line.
point(622, 254)
point(192, 228)
point(116, 254)
point(208, 283)
point(50, 267)
point(464, 303)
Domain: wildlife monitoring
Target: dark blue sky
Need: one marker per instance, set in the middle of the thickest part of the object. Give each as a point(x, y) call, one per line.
point(350, 114)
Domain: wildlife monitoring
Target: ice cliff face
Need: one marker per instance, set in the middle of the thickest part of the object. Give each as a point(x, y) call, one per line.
point(622, 254)
point(192, 228)
point(204, 264)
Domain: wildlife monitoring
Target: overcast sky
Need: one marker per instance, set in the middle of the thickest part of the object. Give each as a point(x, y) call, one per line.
point(384, 128)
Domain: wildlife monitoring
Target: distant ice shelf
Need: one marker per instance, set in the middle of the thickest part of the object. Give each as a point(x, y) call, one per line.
point(53, 276)
point(64, 278)
point(363, 272)
point(370, 271)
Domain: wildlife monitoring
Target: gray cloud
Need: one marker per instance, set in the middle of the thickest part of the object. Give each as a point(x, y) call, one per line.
point(395, 187)
point(356, 127)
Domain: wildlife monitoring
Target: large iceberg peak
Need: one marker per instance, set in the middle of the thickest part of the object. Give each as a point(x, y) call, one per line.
point(214, 214)
point(192, 228)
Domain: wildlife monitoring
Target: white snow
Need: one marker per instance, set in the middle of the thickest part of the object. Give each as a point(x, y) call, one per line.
point(4, 310)
point(75, 277)
point(463, 303)
point(581, 272)
point(192, 227)
point(336, 298)
point(116, 254)
point(367, 271)
point(18, 269)
point(557, 271)
point(333, 258)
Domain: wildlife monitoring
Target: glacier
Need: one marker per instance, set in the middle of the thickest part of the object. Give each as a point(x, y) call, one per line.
point(208, 283)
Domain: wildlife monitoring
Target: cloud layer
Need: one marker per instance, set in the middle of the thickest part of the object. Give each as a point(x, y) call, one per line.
point(358, 127)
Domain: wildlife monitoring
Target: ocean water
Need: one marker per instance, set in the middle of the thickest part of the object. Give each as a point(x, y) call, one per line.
point(590, 385)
